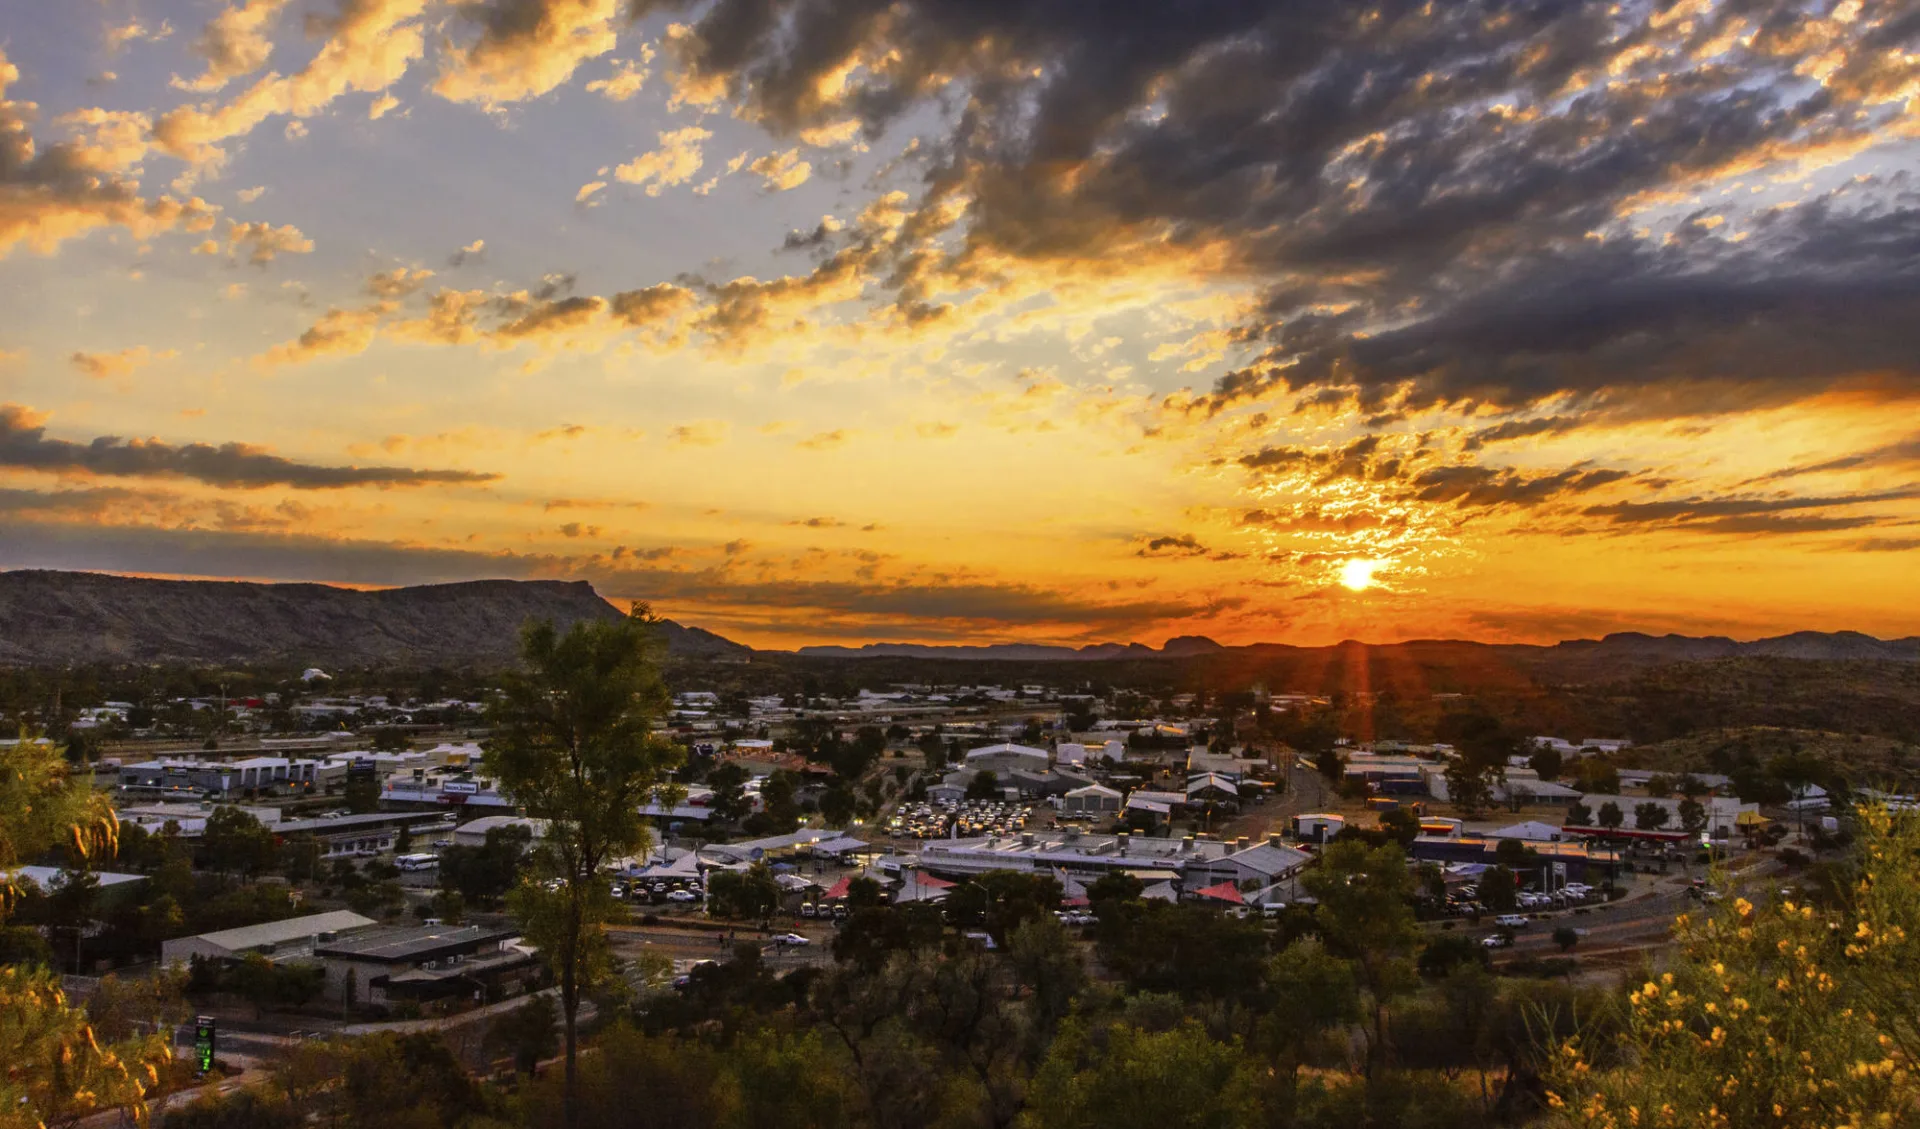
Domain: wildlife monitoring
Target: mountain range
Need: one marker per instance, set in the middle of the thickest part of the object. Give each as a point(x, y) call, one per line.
point(61, 618)
point(64, 618)
point(1629, 647)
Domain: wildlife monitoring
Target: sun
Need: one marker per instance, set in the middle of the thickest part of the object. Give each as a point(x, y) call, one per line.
point(1357, 574)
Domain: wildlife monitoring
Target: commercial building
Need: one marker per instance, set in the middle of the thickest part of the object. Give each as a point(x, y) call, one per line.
point(424, 963)
point(1193, 861)
point(278, 940)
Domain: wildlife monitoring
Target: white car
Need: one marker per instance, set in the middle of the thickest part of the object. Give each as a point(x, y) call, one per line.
point(682, 896)
point(1511, 921)
point(1496, 941)
point(791, 939)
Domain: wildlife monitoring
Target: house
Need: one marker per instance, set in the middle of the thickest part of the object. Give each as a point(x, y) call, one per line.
point(424, 963)
point(277, 940)
point(1092, 800)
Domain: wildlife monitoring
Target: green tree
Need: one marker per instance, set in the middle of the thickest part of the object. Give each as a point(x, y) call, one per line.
point(1580, 815)
point(363, 793)
point(1046, 961)
point(484, 874)
point(1515, 855)
point(1498, 891)
point(1366, 917)
point(1650, 816)
point(729, 783)
point(234, 842)
point(1566, 936)
point(58, 1069)
point(1546, 763)
point(837, 804)
point(743, 895)
point(528, 1033)
point(1693, 816)
point(1610, 816)
point(780, 806)
point(573, 746)
point(1177, 1079)
point(985, 785)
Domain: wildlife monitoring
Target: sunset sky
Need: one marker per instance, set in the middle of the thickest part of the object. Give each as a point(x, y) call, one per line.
point(973, 321)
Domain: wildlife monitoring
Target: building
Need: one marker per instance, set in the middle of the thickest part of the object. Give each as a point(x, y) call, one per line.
point(251, 775)
point(278, 940)
point(1188, 860)
point(473, 833)
point(1554, 863)
point(1093, 800)
point(1318, 827)
point(425, 963)
point(1532, 830)
point(368, 833)
point(1722, 812)
point(1212, 788)
point(1005, 759)
point(442, 789)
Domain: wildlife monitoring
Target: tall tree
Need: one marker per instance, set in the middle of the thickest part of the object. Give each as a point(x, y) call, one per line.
point(573, 745)
point(58, 1068)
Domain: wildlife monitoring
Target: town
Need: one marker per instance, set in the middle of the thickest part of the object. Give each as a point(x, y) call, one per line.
point(318, 865)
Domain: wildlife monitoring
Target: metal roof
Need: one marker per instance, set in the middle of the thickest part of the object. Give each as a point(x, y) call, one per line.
point(412, 942)
point(281, 932)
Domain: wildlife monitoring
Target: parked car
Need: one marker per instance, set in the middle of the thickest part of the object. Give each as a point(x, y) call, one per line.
point(682, 896)
point(808, 909)
point(1511, 921)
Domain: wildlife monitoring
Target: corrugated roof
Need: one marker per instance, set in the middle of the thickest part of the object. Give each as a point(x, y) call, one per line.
point(281, 932)
point(412, 942)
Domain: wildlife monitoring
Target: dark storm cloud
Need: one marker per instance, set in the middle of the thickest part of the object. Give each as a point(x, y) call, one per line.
point(1903, 454)
point(1183, 545)
point(1434, 172)
point(1499, 486)
point(1522, 429)
point(24, 444)
point(1749, 514)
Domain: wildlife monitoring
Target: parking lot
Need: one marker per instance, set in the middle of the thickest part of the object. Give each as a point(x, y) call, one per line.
point(966, 818)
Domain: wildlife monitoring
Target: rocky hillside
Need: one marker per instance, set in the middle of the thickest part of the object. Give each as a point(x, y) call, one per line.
point(59, 618)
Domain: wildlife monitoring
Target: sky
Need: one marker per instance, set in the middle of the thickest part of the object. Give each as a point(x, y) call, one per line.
point(835, 321)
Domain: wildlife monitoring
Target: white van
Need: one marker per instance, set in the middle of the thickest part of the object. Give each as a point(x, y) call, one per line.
point(416, 862)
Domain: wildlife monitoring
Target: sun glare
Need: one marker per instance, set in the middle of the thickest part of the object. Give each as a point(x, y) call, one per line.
point(1357, 574)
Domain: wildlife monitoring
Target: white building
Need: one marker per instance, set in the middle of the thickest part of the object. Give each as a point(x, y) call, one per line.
point(1007, 758)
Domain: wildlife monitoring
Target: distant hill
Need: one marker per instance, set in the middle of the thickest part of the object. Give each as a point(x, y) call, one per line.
point(61, 618)
point(1582, 656)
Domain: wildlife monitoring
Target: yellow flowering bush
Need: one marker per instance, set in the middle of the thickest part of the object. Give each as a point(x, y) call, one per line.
point(1775, 1015)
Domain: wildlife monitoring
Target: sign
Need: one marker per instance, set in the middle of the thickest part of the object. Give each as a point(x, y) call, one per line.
point(461, 787)
point(203, 1042)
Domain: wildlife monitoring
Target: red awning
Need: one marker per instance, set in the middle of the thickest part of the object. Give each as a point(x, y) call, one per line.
point(1225, 891)
point(839, 890)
